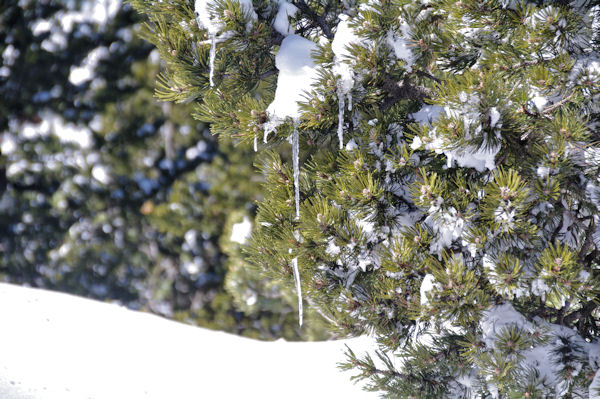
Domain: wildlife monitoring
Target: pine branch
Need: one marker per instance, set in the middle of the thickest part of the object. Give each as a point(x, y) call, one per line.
point(404, 90)
point(319, 20)
point(582, 313)
point(427, 75)
point(264, 75)
point(371, 370)
point(589, 240)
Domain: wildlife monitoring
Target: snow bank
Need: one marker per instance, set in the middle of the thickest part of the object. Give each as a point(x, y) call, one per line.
point(59, 346)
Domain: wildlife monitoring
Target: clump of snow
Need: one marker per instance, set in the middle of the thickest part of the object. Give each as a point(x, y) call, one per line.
point(351, 145)
point(344, 37)
point(240, 232)
point(539, 102)
point(101, 173)
point(332, 248)
point(494, 117)
point(427, 114)
point(10, 55)
point(282, 20)
point(426, 286)
point(297, 72)
point(479, 158)
point(205, 18)
point(447, 227)
point(85, 71)
point(401, 45)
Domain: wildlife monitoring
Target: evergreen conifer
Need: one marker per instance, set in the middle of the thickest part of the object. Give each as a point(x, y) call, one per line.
point(442, 186)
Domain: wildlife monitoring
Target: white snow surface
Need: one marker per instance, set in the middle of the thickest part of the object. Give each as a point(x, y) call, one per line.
point(297, 72)
point(58, 346)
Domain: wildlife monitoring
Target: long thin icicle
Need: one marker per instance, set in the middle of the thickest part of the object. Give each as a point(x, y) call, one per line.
point(295, 161)
point(213, 53)
point(340, 130)
point(296, 167)
point(255, 142)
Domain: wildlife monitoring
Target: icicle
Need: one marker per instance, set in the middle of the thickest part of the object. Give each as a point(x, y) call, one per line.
point(349, 101)
point(295, 160)
point(213, 52)
point(296, 167)
point(255, 142)
point(298, 289)
point(340, 130)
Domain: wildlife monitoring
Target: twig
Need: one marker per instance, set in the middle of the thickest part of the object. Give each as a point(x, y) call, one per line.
point(558, 104)
point(427, 74)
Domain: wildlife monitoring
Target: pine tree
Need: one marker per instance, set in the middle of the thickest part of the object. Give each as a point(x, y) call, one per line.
point(108, 194)
point(442, 186)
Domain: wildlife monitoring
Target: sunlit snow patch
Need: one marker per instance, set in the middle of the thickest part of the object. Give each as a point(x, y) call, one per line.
point(65, 347)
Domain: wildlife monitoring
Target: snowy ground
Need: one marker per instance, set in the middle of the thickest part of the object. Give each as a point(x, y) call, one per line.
point(58, 346)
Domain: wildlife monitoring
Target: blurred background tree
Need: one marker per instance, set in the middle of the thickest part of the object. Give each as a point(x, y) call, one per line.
point(108, 194)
